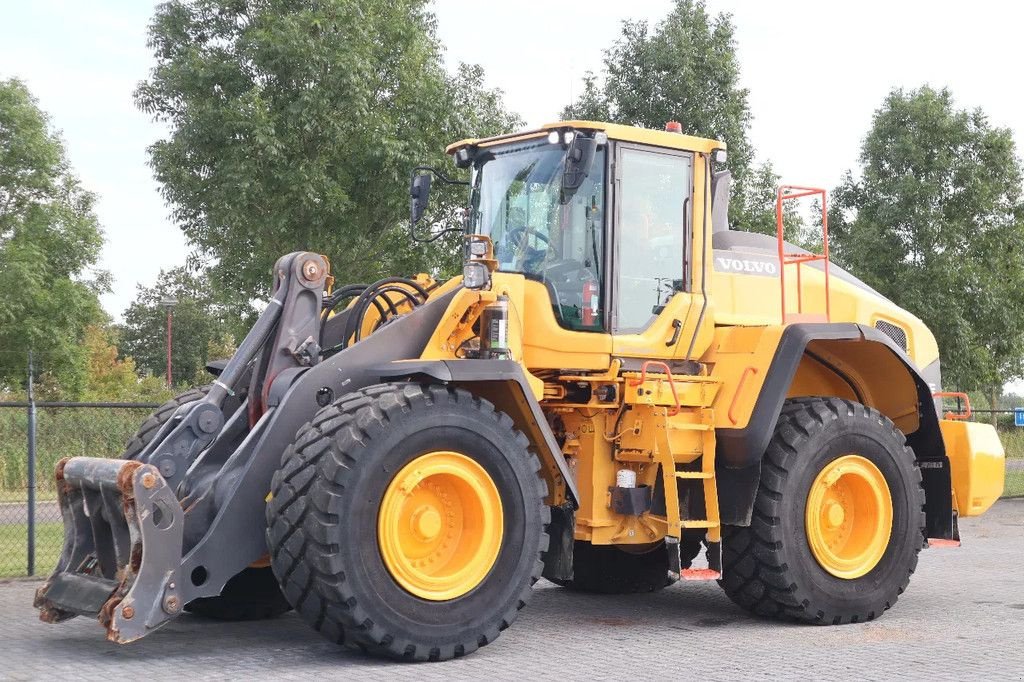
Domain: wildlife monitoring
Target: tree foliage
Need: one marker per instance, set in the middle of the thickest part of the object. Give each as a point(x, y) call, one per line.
point(109, 377)
point(204, 327)
point(50, 241)
point(685, 69)
point(934, 221)
point(295, 125)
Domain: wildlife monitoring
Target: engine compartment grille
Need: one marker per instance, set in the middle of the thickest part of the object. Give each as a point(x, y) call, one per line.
point(893, 331)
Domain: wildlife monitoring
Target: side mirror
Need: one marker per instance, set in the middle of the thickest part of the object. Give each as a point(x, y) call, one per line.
point(419, 196)
point(578, 162)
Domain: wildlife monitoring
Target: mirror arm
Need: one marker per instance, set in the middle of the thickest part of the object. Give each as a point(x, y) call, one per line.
point(413, 218)
point(437, 174)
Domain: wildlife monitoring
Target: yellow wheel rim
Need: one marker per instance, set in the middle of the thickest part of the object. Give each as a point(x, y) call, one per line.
point(849, 517)
point(440, 526)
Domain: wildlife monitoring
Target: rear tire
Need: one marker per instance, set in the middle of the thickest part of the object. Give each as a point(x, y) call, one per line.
point(151, 426)
point(339, 559)
point(252, 594)
point(779, 567)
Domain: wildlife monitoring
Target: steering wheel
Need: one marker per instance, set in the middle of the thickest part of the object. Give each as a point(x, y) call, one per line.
point(519, 235)
point(517, 240)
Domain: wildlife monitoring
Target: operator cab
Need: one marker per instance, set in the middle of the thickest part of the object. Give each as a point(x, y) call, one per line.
point(601, 214)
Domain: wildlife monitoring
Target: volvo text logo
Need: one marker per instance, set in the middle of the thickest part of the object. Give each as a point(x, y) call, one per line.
point(746, 266)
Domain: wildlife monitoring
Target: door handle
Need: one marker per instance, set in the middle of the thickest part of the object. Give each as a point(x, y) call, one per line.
point(677, 327)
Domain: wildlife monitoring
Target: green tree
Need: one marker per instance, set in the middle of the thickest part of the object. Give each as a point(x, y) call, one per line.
point(934, 221)
point(201, 324)
point(685, 69)
point(50, 241)
point(109, 377)
point(295, 125)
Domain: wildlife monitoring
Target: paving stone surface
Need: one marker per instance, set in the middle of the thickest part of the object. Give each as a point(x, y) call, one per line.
point(961, 618)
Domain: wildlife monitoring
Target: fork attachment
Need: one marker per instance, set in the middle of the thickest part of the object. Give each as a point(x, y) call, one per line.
point(122, 548)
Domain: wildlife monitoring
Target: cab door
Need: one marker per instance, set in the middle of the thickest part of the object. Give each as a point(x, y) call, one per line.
point(654, 309)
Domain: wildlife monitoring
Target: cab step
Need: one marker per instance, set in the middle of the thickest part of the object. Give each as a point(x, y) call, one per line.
point(942, 543)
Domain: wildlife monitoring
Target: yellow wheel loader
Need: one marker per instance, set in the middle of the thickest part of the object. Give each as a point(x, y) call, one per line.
point(618, 392)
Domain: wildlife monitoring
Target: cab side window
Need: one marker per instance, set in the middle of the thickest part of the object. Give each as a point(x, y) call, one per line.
point(653, 197)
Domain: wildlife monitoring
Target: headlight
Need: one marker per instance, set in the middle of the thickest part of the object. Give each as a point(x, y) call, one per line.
point(475, 275)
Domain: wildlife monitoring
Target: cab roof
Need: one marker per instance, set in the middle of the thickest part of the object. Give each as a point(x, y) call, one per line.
point(615, 131)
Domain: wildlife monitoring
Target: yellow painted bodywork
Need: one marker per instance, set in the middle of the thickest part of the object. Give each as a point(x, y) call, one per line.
point(734, 344)
point(978, 463)
point(615, 131)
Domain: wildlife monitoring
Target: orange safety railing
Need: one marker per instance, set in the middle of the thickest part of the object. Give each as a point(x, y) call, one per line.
point(966, 414)
point(668, 374)
point(796, 192)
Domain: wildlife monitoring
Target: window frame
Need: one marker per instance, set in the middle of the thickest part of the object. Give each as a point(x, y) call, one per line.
point(614, 195)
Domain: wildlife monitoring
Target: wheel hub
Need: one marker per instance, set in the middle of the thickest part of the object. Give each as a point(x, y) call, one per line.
point(440, 525)
point(849, 517)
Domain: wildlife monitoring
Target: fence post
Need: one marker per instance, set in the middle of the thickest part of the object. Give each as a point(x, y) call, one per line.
point(31, 546)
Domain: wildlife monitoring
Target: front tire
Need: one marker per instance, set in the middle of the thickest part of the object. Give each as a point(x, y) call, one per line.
point(408, 521)
point(838, 519)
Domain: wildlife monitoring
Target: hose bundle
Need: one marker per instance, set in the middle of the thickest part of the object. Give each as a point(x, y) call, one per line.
point(376, 295)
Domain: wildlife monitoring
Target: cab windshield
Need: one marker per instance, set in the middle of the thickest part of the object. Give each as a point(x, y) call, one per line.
point(540, 231)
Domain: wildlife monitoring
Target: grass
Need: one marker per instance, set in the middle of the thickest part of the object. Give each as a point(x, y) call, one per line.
point(13, 557)
point(1013, 443)
point(1014, 486)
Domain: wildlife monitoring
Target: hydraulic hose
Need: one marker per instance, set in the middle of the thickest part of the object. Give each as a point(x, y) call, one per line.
point(353, 327)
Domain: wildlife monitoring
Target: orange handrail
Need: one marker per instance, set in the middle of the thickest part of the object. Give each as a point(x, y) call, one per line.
point(668, 373)
point(735, 396)
point(795, 192)
point(962, 396)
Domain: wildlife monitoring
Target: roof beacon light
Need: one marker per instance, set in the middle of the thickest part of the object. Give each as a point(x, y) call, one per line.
point(674, 127)
point(553, 137)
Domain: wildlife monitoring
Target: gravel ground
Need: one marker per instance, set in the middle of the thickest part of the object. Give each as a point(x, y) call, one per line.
point(961, 618)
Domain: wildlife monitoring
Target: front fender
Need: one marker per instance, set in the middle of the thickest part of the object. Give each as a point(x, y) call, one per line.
point(504, 383)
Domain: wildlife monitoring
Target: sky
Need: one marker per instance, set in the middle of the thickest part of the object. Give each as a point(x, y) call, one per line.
point(816, 71)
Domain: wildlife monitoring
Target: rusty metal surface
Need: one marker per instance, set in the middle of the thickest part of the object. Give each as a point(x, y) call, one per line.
point(113, 509)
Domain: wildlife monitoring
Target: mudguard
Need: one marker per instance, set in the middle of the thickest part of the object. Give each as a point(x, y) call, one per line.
point(504, 383)
point(739, 451)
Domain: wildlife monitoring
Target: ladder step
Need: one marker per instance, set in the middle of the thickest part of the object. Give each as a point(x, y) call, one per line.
point(699, 574)
point(942, 543)
point(685, 426)
point(695, 474)
point(699, 524)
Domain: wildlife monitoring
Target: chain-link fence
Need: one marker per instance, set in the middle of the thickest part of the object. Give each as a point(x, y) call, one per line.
point(31, 531)
point(33, 438)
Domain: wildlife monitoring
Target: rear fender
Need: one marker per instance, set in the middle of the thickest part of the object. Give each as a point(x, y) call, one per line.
point(850, 361)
